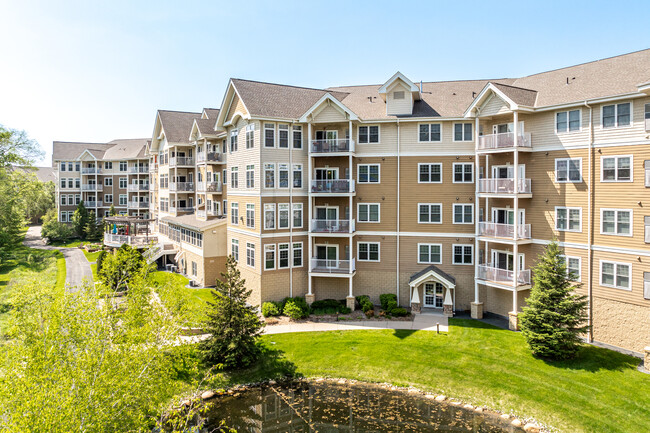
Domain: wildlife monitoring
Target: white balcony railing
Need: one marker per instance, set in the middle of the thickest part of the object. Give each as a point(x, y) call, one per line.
point(491, 273)
point(332, 146)
point(332, 226)
point(91, 170)
point(91, 187)
point(181, 160)
point(181, 186)
point(332, 186)
point(119, 240)
point(333, 266)
point(497, 230)
point(177, 209)
point(93, 203)
point(137, 204)
point(134, 187)
point(209, 157)
point(503, 140)
point(139, 169)
point(153, 167)
point(504, 186)
point(209, 186)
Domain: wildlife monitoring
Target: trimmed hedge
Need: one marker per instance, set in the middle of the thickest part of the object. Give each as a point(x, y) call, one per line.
point(399, 312)
point(295, 308)
point(385, 300)
point(270, 309)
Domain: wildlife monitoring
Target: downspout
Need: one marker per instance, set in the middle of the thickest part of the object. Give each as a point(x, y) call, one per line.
point(398, 204)
point(589, 226)
point(290, 258)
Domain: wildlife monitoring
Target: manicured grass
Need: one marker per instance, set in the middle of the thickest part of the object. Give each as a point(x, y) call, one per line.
point(60, 270)
point(91, 257)
point(73, 243)
point(600, 391)
point(93, 267)
point(196, 298)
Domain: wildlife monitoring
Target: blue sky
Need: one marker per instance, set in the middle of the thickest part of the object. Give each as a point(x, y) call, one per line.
point(95, 71)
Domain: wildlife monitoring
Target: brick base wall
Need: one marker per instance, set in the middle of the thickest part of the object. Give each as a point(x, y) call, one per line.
point(621, 324)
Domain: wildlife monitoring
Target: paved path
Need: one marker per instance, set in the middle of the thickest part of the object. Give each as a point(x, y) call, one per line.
point(77, 267)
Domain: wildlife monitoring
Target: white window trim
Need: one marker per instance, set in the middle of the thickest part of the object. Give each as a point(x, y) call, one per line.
point(629, 265)
point(369, 204)
point(288, 249)
point(566, 263)
point(233, 242)
point(368, 259)
point(267, 248)
point(631, 211)
point(429, 245)
point(568, 180)
point(453, 256)
point(254, 258)
point(264, 170)
point(568, 209)
point(274, 129)
point(616, 104)
point(368, 165)
point(302, 252)
point(430, 163)
point(453, 172)
point(616, 157)
point(453, 132)
point(567, 123)
point(429, 222)
point(368, 126)
point(302, 215)
point(429, 141)
point(453, 212)
point(271, 207)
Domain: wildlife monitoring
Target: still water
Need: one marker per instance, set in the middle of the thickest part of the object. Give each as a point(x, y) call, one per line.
point(329, 407)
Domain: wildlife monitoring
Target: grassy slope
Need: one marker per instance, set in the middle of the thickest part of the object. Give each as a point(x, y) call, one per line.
point(600, 391)
point(196, 298)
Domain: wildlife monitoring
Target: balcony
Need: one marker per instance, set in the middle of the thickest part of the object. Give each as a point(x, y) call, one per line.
point(503, 276)
point(504, 231)
point(332, 186)
point(181, 186)
point(179, 209)
point(91, 170)
point(138, 169)
point(177, 161)
point(209, 157)
point(504, 141)
point(93, 203)
point(204, 213)
point(325, 147)
point(209, 186)
point(332, 226)
point(91, 187)
point(138, 187)
point(137, 204)
point(112, 240)
point(504, 186)
point(327, 266)
point(153, 167)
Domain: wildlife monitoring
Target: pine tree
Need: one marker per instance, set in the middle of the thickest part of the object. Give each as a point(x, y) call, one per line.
point(112, 211)
point(234, 326)
point(555, 316)
point(93, 228)
point(80, 220)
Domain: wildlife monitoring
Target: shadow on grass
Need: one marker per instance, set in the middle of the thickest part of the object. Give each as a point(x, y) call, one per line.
point(594, 359)
point(271, 365)
point(473, 323)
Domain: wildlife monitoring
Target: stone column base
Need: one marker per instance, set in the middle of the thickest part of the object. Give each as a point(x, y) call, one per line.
point(349, 302)
point(310, 299)
point(646, 358)
point(513, 321)
point(448, 310)
point(416, 307)
point(477, 310)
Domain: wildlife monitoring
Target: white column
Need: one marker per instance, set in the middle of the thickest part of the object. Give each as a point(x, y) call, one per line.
point(309, 208)
point(477, 205)
point(515, 259)
point(350, 295)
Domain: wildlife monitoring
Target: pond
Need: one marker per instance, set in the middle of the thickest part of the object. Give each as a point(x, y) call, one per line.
point(332, 407)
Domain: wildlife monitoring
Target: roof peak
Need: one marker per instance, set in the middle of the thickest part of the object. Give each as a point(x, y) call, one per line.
point(282, 85)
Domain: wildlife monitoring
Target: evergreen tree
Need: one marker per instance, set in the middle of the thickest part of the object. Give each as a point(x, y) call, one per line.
point(80, 220)
point(112, 211)
point(555, 316)
point(234, 326)
point(93, 228)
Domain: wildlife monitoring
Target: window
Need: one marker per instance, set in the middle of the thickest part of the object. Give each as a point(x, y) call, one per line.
point(234, 249)
point(568, 170)
point(463, 173)
point(234, 213)
point(108, 181)
point(297, 215)
point(573, 267)
point(616, 169)
point(234, 177)
point(615, 116)
point(283, 216)
point(462, 132)
point(122, 199)
point(368, 251)
point(283, 136)
point(63, 166)
point(646, 166)
point(430, 213)
point(297, 175)
point(194, 269)
point(225, 207)
point(368, 212)
point(368, 173)
point(368, 134)
point(108, 198)
point(616, 275)
point(250, 215)
point(430, 132)
point(70, 166)
point(250, 136)
point(108, 165)
point(269, 175)
point(283, 256)
point(463, 254)
point(568, 219)
point(63, 183)
point(77, 183)
point(250, 254)
point(77, 198)
point(567, 121)
point(64, 217)
point(224, 176)
point(269, 257)
point(64, 200)
point(233, 140)
point(269, 216)
point(77, 166)
point(283, 175)
point(123, 166)
point(297, 254)
point(297, 137)
point(430, 253)
point(123, 183)
point(269, 135)
point(616, 222)
point(430, 173)
point(463, 213)
point(250, 176)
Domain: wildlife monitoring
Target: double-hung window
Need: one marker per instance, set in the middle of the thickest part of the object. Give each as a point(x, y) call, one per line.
point(616, 222)
point(108, 165)
point(430, 173)
point(234, 177)
point(430, 213)
point(122, 199)
point(297, 137)
point(269, 175)
point(64, 200)
point(616, 168)
point(430, 253)
point(250, 176)
point(250, 215)
point(368, 173)
point(250, 254)
point(269, 257)
point(297, 215)
point(462, 132)
point(573, 267)
point(616, 115)
point(368, 212)
point(430, 132)
point(269, 135)
point(463, 172)
point(63, 166)
point(283, 256)
point(297, 175)
point(283, 175)
point(233, 140)
point(234, 213)
point(368, 251)
point(463, 213)
point(108, 198)
point(567, 121)
point(616, 275)
point(123, 166)
point(283, 136)
point(123, 182)
point(250, 136)
point(297, 254)
point(463, 254)
point(283, 215)
point(568, 170)
point(269, 216)
point(108, 181)
point(368, 134)
point(568, 219)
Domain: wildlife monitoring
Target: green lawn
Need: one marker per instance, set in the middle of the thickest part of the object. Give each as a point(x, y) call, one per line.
point(195, 298)
point(600, 391)
point(73, 243)
point(92, 257)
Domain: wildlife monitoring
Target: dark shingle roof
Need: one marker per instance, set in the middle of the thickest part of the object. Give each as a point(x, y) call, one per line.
point(518, 95)
point(435, 269)
point(212, 113)
point(177, 125)
point(67, 150)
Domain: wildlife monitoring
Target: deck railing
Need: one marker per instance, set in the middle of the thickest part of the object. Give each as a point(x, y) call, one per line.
point(332, 226)
point(504, 140)
point(332, 266)
point(498, 230)
point(491, 273)
point(332, 145)
point(504, 186)
point(332, 186)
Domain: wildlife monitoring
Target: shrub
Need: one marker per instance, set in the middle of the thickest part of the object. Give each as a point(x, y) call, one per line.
point(392, 305)
point(385, 299)
point(293, 311)
point(270, 309)
point(367, 306)
point(326, 303)
point(344, 310)
point(54, 230)
point(399, 312)
point(361, 298)
point(100, 260)
point(369, 313)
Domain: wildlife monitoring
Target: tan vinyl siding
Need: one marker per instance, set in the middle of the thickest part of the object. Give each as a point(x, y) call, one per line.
point(399, 106)
point(330, 114)
point(494, 105)
point(237, 106)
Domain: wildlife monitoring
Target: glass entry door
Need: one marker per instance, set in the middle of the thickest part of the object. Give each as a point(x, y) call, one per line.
point(433, 295)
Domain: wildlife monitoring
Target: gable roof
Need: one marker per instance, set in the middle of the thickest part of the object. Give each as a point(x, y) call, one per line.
point(128, 148)
point(211, 113)
point(433, 269)
point(518, 95)
point(177, 125)
point(69, 150)
point(415, 90)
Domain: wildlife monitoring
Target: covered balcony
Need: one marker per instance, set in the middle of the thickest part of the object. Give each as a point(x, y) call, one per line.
point(137, 204)
point(181, 186)
point(91, 187)
point(499, 231)
point(91, 170)
point(135, 169)
point(332, 186)
point(328, 146)
point(332, 226)
point(504, 186)
point(135, 187)
point(209, 186)
point(213, 157)
point(493, 276)
point(332, 266)
point(181, 161)
point(181, 209)
point(504, 141)
point(93, 203)
point(130, 230)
